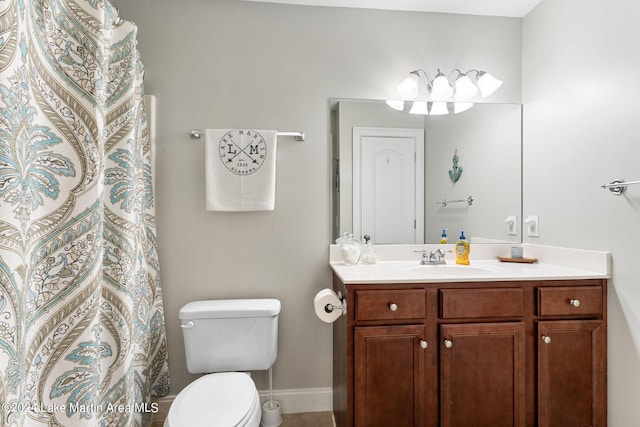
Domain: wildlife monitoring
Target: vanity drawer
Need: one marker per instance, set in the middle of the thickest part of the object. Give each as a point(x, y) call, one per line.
point(481, 303)
point(390, 304)
point(560, 301)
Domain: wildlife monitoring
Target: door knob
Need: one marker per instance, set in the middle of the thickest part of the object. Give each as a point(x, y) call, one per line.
point(546, 339)
point(423, 344)
point(448, 343)
point(393, 307)
point(575, 303)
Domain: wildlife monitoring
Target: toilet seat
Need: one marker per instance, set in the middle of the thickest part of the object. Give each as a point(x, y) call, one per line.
point(226, 399)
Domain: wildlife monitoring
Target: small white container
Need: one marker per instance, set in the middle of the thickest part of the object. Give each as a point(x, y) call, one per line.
point(516, 252)
point(271, 414)
point(350, 250)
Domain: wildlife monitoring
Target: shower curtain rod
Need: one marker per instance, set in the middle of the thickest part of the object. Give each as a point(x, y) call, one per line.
point(197, 134)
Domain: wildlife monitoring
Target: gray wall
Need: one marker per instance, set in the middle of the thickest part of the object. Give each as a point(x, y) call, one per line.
point(228, 63)
point(581, 126)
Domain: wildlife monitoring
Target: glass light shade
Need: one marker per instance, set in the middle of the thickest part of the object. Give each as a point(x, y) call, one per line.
point(408, 88)
point(459, 107)
point(440, 88)
point(395, 104)
point(487, 83)
point(465, 89)
point(419, 107)
point(439, 109)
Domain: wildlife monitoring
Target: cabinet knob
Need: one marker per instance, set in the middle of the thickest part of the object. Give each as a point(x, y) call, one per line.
point(546, 339)
point(448, 343)
point(423, 344)
point(574, 303)
point(393, 307)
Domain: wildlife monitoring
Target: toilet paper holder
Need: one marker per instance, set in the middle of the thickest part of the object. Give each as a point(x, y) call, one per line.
point(329, 308)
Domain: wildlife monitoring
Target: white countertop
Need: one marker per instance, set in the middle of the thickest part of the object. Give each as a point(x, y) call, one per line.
point(399, 264)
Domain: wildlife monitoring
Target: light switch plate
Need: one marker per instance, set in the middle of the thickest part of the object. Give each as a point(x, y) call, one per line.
point(533, 226)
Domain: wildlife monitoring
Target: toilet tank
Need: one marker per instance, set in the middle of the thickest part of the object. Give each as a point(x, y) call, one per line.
point(230, 335)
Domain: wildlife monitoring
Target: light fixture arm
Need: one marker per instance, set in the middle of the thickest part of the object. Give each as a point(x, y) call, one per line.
point(417, 73)
point(460, 73)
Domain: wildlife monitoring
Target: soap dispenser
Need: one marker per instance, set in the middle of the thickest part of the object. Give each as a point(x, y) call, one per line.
point(462, 250)
point(368, 255)
point(443, 238)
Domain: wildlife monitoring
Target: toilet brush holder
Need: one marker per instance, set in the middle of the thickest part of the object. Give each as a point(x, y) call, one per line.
point(271, 414)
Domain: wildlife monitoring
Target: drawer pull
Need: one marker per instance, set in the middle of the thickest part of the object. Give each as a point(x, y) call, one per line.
point(393, 307)
point(448, 343)
point(423, 344)
point(574, 303)
point(546, 339)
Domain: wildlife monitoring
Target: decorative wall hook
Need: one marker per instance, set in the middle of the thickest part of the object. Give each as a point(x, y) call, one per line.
point(456, 172)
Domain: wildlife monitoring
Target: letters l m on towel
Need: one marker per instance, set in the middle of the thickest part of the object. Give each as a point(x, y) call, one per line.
point(240, 169)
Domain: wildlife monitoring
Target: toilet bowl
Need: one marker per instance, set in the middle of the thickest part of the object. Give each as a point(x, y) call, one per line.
point(222, 399)
point(223, 340)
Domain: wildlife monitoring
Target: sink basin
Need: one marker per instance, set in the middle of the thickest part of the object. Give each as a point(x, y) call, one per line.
point(448, 270)
point(406, 271)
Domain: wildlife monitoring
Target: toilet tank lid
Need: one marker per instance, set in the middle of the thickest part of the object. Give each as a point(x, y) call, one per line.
point(219, 309)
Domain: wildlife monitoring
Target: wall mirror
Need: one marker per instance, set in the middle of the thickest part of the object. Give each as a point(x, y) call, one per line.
point(402, 178)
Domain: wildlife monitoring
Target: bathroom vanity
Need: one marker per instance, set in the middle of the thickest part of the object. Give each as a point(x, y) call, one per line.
point(492, 344)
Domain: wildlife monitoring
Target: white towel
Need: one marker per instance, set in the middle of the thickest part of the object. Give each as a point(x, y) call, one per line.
point(240, 169)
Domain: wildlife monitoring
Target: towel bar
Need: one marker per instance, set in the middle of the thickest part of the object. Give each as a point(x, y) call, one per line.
point(468, 200)
point(617, 186)
point(197, 134)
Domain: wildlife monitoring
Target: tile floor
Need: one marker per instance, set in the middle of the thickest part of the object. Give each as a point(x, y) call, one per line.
point(308, 419)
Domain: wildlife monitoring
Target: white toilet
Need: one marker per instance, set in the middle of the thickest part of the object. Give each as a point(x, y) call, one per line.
point(225, 339)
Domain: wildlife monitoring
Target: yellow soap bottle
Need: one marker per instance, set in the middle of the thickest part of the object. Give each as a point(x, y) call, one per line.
point(462, 250)
point(443, 237)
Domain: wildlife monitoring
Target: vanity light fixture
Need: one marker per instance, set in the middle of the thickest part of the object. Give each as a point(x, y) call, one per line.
point(440, 90)
point(459, 107)
point(434, 108)
point(439, 108)
point(408, 88)
point(419, 107)
point(395, 104)
point(487, 83)
point(465, 89)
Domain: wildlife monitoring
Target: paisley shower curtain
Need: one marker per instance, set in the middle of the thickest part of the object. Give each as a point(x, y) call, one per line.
point(82, 337)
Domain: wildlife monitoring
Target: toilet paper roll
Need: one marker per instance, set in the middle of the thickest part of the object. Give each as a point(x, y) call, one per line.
point(324, 298)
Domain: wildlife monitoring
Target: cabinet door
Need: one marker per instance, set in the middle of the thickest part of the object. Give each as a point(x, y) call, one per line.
point(389, 376)
point(571, 374)
point(483, 375)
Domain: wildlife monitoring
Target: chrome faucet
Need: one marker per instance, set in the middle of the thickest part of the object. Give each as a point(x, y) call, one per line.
point(432, 257)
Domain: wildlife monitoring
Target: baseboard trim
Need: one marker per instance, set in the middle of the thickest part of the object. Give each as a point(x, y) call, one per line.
point(298, 400)
point(292, 401)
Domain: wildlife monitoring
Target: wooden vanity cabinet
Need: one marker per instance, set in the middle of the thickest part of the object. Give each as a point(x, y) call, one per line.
point(388, 374)
point(482, 371)
point(512, 354)
point(571, 375)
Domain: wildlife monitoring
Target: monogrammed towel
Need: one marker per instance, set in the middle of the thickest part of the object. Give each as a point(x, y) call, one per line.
point(240, 169)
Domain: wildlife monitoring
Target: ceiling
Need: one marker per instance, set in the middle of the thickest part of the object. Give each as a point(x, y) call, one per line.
point(512, 8)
